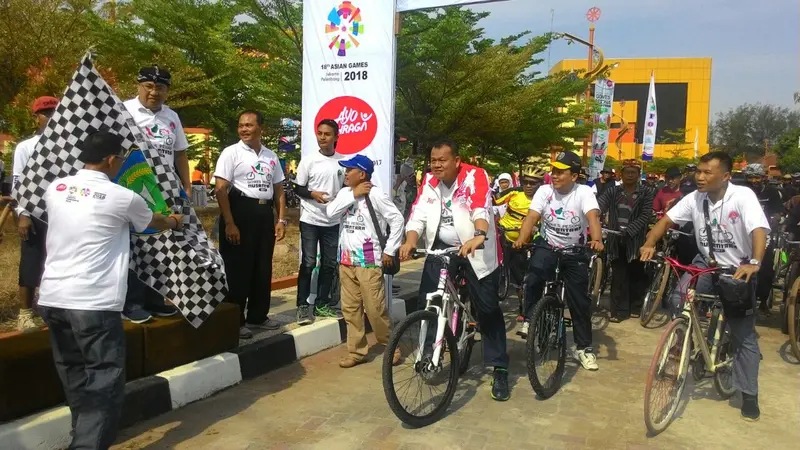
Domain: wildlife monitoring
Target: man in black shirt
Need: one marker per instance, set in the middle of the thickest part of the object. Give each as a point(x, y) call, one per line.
point(688, 184)
point(788, 190)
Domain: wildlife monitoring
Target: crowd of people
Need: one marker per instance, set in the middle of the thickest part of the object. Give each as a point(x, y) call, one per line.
point(354, 231)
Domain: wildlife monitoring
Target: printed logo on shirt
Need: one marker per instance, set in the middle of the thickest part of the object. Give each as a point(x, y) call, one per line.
point(85, 192)
point(723, 238)
point(71, 194)
point(353, 220)
point(61, 187)
point(259, 178)
point(733, 217)
point(162, 138)
point(99, 196)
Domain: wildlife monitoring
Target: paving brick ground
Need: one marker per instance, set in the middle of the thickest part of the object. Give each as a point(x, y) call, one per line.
point(314, 404)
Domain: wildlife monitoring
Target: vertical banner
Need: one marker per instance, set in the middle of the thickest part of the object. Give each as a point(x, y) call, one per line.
point(696, 142)
point(650, 122)
point(348, 76)
point(604, 96)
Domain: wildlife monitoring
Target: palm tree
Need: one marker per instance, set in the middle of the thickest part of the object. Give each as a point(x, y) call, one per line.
point(797, 97)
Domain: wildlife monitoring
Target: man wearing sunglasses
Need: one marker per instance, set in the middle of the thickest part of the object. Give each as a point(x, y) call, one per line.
point(32, 231)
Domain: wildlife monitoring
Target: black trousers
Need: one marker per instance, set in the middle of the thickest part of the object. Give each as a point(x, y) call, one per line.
point(32, 255)
point(89, 354)
point(248, 266)
point(575, 275)
point(327, 238)
point(486, 302)
point(628, 285)
point(515, 260)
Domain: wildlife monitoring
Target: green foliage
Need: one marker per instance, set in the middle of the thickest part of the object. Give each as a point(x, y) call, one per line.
point(789, 148)
point(749, 129)
point(660, 165)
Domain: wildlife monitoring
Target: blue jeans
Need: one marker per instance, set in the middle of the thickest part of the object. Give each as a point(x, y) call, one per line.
point(328, 240)
point(89, 355)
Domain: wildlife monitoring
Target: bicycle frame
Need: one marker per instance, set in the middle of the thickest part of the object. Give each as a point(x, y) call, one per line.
point(688, 311)
point(452, 310)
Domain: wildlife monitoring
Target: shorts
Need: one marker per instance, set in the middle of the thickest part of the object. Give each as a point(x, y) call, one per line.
point(32, 256)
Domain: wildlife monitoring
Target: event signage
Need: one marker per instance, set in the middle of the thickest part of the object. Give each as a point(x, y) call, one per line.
point(650, 122)
point(604, 96)
point(349, 76)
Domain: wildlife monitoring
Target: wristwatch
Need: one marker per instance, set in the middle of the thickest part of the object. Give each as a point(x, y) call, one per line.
point(283, 221)
point(479, 233)
point(755, 262)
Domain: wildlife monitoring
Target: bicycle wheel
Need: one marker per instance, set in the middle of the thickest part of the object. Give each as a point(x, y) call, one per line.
point(408, 405)
point(793, 317)
point(606, 280)
point(465, 345)
point(723, 375)
point(505, 280)
point(547, 339)
point(666, 376)
point(655, 292)
point(596, 281)
point(791, 275)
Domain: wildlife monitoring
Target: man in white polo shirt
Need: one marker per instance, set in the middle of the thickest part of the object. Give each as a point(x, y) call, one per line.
point(739, 231)
point(84, 283)
point(249, 187)
point(162, 127)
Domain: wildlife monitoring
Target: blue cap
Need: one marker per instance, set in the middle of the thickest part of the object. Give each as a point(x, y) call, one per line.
point(359, 162)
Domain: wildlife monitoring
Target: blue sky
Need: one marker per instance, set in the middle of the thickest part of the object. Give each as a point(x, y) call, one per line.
point(753, 44)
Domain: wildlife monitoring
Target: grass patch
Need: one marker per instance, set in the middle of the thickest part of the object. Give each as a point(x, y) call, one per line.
point(285, 261)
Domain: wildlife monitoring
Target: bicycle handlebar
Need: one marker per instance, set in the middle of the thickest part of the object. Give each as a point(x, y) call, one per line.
point(614, 232)
point(672, 231)
point(442, 252)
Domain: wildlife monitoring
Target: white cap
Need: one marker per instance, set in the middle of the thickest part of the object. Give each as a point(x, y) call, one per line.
point(504, 176)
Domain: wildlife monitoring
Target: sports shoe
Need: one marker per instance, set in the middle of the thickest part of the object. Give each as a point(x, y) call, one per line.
point(324, 311)
point(162, 310)
point(245, 333)
point(750, 411)
point(587, 358)
point(304, 315)
point(523, 331)
point(137, 315)
point(268, 325)
point(500, 385)
point(25, 320)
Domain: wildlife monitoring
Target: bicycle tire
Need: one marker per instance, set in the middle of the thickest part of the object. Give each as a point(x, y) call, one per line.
point(465, 353)
point(505, 281)
point(388, 377)
point(548, 303)
point(655, 292)
point(724, 386)
point(657, 426)
point(792, 275)
point(595, 281)
point(793, 316)
point(606, 278)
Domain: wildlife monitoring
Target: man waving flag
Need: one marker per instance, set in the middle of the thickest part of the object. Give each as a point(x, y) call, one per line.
point(181, 265)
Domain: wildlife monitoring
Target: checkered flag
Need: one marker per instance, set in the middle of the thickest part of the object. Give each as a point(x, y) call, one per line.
point(182, 265)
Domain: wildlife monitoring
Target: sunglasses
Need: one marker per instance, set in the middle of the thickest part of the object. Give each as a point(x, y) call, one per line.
point(531, 182)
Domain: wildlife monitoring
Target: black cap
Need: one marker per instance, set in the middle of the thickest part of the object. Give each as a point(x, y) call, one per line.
point(99, 145)
point(154, 74)
point(672, 173)
point(567, 160)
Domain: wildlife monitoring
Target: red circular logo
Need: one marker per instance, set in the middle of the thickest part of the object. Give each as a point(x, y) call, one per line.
point(61, 187)
point(357, 123)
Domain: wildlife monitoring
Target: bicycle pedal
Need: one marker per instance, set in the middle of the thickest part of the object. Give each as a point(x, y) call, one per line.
point(568, 322)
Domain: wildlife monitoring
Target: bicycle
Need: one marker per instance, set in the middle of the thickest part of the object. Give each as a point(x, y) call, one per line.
point(791, 304)
point(548, 326)
point(506, 278)
point(449, 312)
point(599, 274)
point(662, 280)
point(683, 341)
point(792, 273)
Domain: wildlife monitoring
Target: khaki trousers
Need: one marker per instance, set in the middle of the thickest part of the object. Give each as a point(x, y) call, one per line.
point(362, 291)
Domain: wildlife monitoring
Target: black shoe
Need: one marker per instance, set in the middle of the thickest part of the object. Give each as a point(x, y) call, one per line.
point(304, 316)
point(500, 385)
point(161, 310)
point(750, 411)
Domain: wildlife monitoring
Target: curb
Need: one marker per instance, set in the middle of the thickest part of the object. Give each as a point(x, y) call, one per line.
point(152, 396)
point(285, 282)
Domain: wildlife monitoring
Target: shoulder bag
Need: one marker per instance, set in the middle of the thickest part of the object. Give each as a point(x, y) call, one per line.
point(395, 267)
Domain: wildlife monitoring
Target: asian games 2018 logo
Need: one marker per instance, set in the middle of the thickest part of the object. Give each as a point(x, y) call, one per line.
point(344, 25)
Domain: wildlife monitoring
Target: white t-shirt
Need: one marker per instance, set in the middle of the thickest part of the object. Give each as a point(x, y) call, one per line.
point(320, 173)
point(359, 244)
point(253, 174)
point(22, 153)
point(733, 219)
point(163, 128)
point(88, 242)
point(564, 220)
point(447, 229)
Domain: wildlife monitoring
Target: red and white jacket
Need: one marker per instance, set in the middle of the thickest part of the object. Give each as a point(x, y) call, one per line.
point(472, 200)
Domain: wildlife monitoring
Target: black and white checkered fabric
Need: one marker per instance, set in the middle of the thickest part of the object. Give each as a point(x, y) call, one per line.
point(182, 265)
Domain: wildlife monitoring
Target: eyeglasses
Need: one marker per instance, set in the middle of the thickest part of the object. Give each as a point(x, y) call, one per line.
point(531, 182)
point(150, 86)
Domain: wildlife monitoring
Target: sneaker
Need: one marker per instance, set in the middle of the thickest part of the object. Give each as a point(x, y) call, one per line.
point(750, 411)
point(268, 325)
point(324, 311)
point(587, 358)
point(304, 315)
point(162, 310)
point(500, 385)
point(245, 333)
point(25, 320)
point(523, 331)
point(137, 315)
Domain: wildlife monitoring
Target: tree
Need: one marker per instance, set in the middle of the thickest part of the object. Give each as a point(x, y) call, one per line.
point(751, 129)
point(660, 165)
point(789, 149)
point(677, 137)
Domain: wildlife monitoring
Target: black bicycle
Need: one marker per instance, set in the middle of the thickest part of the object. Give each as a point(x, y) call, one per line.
point(547, 336)
point(507, 281)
